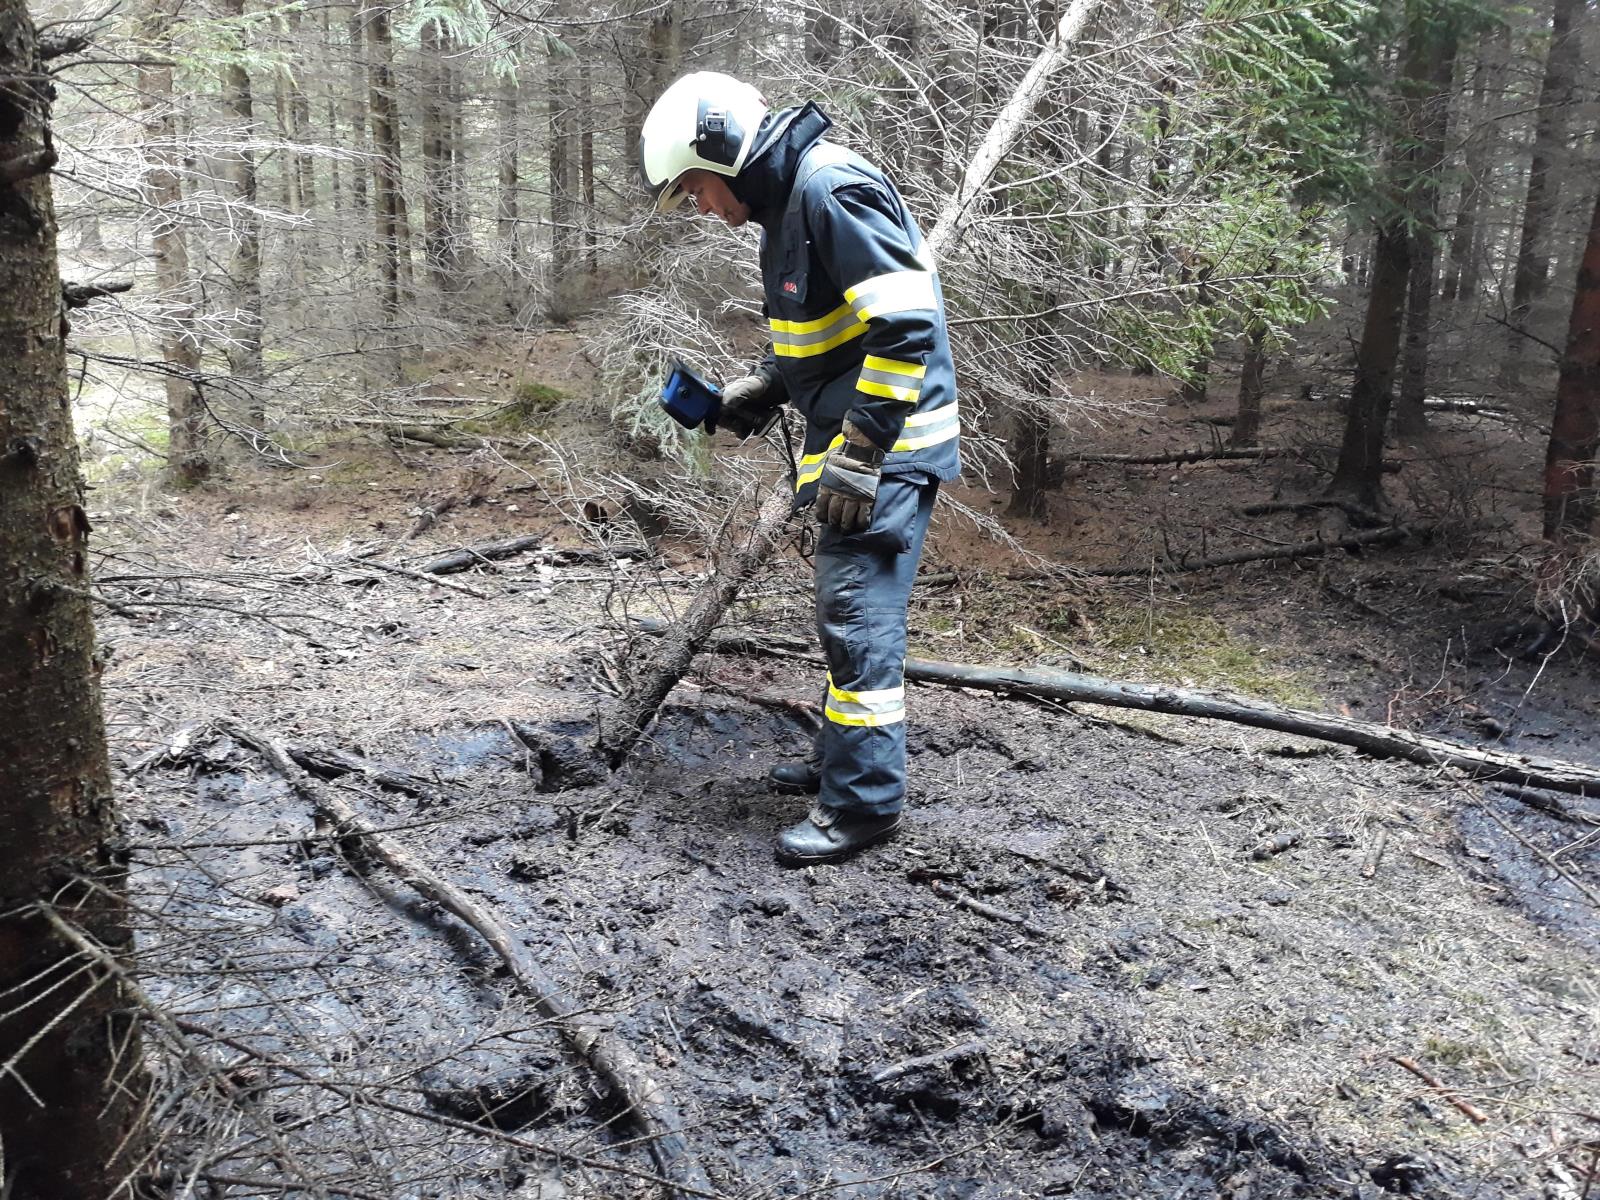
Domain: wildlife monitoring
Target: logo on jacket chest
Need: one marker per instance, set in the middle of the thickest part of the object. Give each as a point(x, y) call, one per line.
point(791, 288)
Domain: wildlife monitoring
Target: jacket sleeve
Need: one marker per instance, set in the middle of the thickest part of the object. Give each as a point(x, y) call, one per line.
point(767, 368)
point(875, 261)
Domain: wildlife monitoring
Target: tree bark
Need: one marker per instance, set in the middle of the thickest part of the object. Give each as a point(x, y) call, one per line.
point(1466, 241)
point(1570, 500)
point(355, 110)
point(563, 150)
point(1029, 452)
point(188, 461)
point(71, 1083)
point(506, 225)
point(436, 181)
point(393, 247)
point(1252, 385)
point(1432, 129)
point(1556, 94)
point(244, 262)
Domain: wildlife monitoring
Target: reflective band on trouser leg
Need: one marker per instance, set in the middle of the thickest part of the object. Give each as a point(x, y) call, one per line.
point(811, 464)
point(862, 591)
point(883, 706)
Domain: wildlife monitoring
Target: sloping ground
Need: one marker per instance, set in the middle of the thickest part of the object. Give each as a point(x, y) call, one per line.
point(1176, 1018)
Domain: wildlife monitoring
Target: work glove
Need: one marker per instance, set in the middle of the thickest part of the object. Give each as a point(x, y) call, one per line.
point(747, 408)
point(848, 485)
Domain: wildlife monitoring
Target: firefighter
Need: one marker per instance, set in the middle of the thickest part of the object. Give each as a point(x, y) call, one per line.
point(859, 348)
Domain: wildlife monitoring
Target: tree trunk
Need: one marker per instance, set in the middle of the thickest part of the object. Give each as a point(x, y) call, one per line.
point(386, 177)
point(1029, 452)
point(591, 240)
point(1433, 120)
point(563, 173)
point(506, 207)
point(244, 262)
point(72, 1083)
point(187, 460)
point(1465, 263)
point(1569, 473)
point(357, 99)
point(300, 120)
point(1252, 385)
point(1359, 472)
point(1544, 183)
point(435, 162)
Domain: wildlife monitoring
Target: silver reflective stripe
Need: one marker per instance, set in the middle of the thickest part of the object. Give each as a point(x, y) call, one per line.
point(926, 429)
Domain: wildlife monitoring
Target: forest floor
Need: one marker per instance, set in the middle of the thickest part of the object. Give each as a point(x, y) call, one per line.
point(1173, 1018)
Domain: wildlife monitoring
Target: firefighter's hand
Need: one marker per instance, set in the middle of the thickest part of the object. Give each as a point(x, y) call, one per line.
point(746, 407)
point(848, 485)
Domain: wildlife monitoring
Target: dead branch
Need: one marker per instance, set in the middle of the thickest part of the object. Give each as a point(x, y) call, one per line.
point(1374, 855)
point(431, 436)
point(1371, 537)
point(471, 556)
point(77, 295)
point(1179, 457)
point(620, 729)
point(1002, 915)
point(1548, 805)
point(329, 762)
point(1349, 507)
point(1475, 1114)
point(434, 579)
point(939, 1057)
point(635, 1087)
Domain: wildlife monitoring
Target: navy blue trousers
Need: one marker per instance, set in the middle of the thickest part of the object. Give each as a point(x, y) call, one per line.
point(863, 586)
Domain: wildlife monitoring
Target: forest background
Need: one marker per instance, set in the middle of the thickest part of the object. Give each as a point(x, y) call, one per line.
point(1256, 284)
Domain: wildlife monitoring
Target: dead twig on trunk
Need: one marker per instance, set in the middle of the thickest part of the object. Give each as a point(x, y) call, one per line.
point(634, 1086)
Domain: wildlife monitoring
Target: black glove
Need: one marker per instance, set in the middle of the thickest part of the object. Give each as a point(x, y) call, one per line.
point(747, 408)
point(848, 485)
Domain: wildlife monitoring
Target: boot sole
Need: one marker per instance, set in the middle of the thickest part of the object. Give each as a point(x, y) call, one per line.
point(812, 860)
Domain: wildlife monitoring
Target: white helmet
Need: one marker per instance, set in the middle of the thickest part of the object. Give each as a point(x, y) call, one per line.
point(705, 120)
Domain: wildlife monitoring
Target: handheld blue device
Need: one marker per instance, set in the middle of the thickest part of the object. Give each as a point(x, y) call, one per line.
point(689, 399)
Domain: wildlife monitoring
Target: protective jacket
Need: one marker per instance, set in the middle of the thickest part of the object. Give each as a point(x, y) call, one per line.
point(853, 302)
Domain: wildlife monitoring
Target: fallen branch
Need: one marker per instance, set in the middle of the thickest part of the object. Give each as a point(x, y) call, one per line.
point(622, 1070)
point(1475, 1114)
point(1548, 805)
point(1545, 857)
point(434, 578)
point(1380, 741)
point(1178, 457)
point(1374, 855)
point(1004, 916)
point(621, 728)
point(921, 1063)
point(471, 556)
point(1372, 537)
point(328, 763)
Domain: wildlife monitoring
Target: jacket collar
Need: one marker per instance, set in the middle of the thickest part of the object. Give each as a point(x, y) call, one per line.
point(784, 137)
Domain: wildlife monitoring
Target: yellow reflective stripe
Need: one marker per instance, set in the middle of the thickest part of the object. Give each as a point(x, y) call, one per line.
point(926, 429)
point(889, 391)
point(819, 324)
point(916, 370)
point(870, 719)
point(811, 464)
point(896, 291)
point(786, 350)
point(884, 698)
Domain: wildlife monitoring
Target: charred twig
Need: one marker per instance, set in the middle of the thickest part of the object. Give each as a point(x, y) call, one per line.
point(328, 762)
point(622, 1070)
point(1179, 457)
point(1369, 864)
point(1276, 845)
point(1372, 537)
point(471, 556)
point(77, 295)
point(1473, 1113)
point(1545, 857)
point(1548, 805)
point(452, 584)
point(1004, 916)
point(922, 1062)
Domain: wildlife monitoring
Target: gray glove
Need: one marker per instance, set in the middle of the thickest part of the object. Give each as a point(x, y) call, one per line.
point(747, 409)
point(848, 485)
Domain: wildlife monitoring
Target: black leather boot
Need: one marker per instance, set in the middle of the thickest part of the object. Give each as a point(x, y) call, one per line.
point(796, 778)
point(829, 834)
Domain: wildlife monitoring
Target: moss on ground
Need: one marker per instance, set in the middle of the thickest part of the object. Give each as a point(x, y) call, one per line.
point(531, 407)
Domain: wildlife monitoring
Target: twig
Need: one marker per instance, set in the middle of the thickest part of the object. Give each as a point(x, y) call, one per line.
point(1004, 916)
point(1178, 457)
point(1475, 1114)
point(1544, 857)
point(1369, 864)
point(910, 1065)
point(434, 578)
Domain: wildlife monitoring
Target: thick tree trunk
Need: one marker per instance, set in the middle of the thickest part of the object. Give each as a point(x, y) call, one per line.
point(1029, 452)
point(244, 262)
point(1556, 94)
point(435, 162)
point(506, 224)
point(70, 1077)
point(1432, 128)
point(187, 459)
point(1252, 385)
point(1570, 500)
point(393, 247)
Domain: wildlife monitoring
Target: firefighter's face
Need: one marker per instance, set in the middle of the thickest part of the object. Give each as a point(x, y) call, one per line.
point(714, 198)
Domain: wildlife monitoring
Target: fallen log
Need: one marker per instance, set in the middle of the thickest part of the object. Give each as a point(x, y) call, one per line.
point(643, 1096)
point(1179, 457)
point(1371, 537)
point(1380, 741)
point(471, 556)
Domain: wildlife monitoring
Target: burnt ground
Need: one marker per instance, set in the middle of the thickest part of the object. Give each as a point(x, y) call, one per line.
point(1175, 1017)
